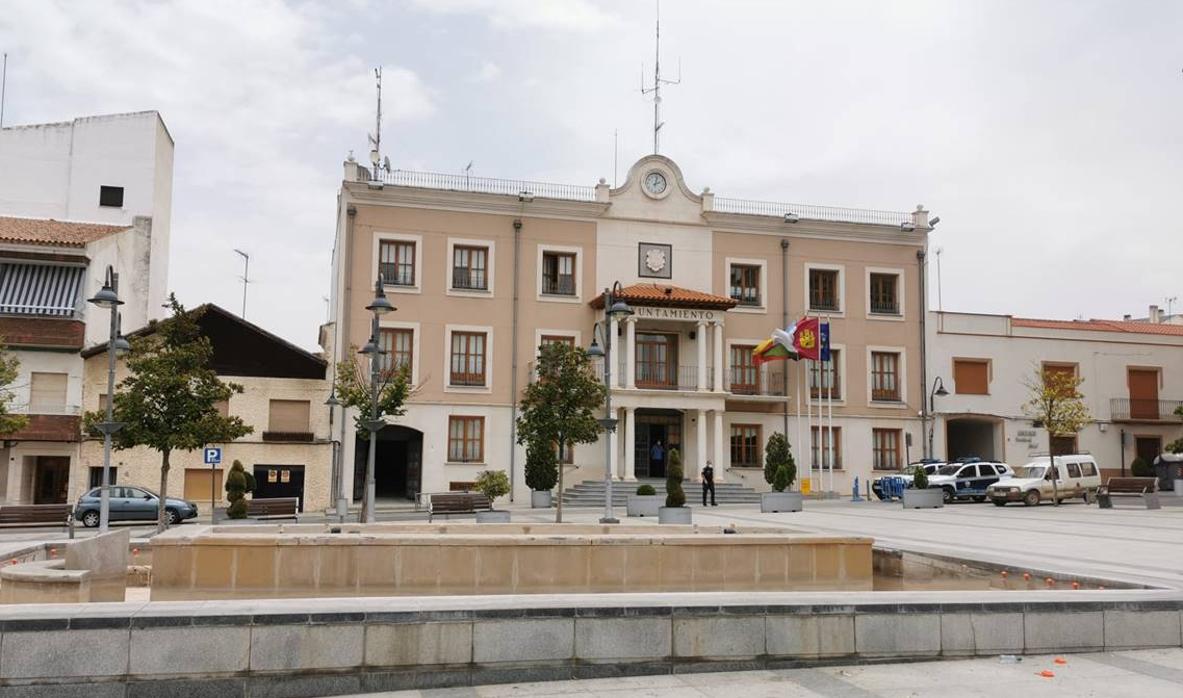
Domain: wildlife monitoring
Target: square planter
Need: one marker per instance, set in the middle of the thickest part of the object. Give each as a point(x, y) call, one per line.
point(673, 515)
point(931, 498)
point(540, 499)
point(492, 517)
point(772, 502)
point(644, 504)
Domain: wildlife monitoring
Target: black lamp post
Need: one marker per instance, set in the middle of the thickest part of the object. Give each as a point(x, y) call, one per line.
point(373, 349)
point(613, 309)
point(108, 297)
point(938, 390)
point(338, 501)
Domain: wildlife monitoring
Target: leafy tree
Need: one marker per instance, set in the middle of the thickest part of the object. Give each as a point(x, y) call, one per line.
point(169, 401)
point(1055, 401)
point(1175, 446)
point(559, 406)
point(777, 456)
point(542, 467)
point(238, 483)
point(492, 484)
point(675, 496)
point(919, 478)
point(9, 422)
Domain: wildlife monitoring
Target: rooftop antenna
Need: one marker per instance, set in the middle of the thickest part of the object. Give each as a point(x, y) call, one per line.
point(658, 81)
point(3, 88)
point(940, 302)
point(246, 267)
point(615, 154)
point(1170, 304)
point(376, 138)
point(467, 170)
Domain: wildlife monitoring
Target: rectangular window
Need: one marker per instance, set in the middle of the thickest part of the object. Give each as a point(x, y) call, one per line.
point(745, 445)
point(399, 347)
point(557, 339)
point(47, 392)
point(288, 416)
point(110, 196)
point(885, 297)
point(824, 377)
point(744, 372)
point(470, 268)
point(885, 445)
point(558, 273)
point(823, 289)
point(96, 476)
point(396, 262)
point(1066, 370)
point(820, 444)
point(1063, 445)
point(885, 376)
point(971, 377)
point(745, 284)
point(466, 439)
point(468, 358)
point(1088, 469)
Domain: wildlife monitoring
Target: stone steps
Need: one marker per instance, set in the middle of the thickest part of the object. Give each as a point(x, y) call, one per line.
point(590, 493)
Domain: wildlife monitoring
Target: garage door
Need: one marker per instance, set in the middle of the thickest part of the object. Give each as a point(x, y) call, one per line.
point(197, 484)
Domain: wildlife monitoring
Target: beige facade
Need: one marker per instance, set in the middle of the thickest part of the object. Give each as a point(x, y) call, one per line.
point(674, 364)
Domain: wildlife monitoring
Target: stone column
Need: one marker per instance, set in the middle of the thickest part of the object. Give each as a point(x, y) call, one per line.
point(719, 463)
point(630, 439)
point(701, 438)
point(16, 476)
point(630, 347)
point(617, 379)
point(701, 342)
point(719, 368)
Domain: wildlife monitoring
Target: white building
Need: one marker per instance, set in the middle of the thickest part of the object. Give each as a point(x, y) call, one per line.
point(1133, 382)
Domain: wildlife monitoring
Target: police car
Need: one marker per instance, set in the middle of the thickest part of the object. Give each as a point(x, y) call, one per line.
point(930, 466)
point(968, 478)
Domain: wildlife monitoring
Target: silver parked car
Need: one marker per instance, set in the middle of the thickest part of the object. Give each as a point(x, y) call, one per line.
point(132, 504)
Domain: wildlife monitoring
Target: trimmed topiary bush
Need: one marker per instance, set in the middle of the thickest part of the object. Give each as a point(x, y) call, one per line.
point(674, 495)
point(542, 467)
point(646, 491)
point(1140, 468)
point(919, 478)
point(238, 483)
point(783, 478)
point(776, 452)
point(492, 484)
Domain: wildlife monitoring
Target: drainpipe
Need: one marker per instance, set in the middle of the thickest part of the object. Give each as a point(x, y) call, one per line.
point(924, 414)
point(513, 357)
point(784, 321)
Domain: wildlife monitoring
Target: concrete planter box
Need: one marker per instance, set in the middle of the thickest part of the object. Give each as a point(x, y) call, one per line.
point(1179, 488)
point(644, 504)
point(772, 502)
point(540, 499)
point(492, 517)
point(673, 515)
point(932, 498)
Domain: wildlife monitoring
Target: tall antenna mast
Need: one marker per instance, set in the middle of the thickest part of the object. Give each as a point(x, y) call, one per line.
point(246, 268)
point(376, 138)
point(3, 88)
point(658, 81)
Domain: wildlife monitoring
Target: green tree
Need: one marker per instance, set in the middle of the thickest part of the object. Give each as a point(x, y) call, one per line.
point(675, 496)
point(559, 406)
point(492, 484)
point(778, 456)
point(168, 402)
point(238, 484)
point(1055, 402)
point(9, 422)
point(353, 390)
point(542, 467)
point(1175, 446)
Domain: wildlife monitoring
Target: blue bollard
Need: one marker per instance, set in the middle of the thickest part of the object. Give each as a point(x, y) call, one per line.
point(854, 495)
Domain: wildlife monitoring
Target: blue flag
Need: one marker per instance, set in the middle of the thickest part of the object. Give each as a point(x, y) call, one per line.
point(824, 331)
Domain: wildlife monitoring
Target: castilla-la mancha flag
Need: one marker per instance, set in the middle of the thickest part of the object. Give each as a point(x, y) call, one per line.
point(807, 338)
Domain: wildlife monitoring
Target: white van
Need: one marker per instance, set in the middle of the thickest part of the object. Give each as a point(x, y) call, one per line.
point(1074, 476)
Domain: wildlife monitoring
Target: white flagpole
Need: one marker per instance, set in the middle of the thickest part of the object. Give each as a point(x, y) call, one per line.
point(809, 422)
point(799, 441)
point(830, 399)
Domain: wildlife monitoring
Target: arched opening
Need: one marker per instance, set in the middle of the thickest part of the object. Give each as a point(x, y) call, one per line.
point(398, 464)
point(967, 437)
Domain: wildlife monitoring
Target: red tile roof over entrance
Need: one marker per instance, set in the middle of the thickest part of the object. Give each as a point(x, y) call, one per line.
point(1100, 326)
point(668, 296)
point(47, 231)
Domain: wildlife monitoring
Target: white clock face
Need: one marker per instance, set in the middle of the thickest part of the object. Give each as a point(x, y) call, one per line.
point(655, 183)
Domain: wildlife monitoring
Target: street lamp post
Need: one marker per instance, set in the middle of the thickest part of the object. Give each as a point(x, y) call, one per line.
point(938, 390)
point(612, 309)
point(373, 349)
point(335, 467)
point(108, 297)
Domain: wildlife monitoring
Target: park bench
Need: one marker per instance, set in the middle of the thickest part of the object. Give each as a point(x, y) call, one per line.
point(35, 514)
point(457, 504)
point(1145, 488)
point(273, 508)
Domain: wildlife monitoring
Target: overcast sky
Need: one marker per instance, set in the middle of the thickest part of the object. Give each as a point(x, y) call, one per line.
point(1048, 136)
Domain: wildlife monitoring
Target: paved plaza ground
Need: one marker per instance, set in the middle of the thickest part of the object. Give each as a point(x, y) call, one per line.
point(1140, 674)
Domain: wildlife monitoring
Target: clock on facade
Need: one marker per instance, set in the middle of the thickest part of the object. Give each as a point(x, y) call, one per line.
point(655, 183)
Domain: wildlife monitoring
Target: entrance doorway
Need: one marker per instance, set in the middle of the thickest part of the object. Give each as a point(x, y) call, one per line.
point(398, 464)
point(967, 437)
point(279, 481)
point(51, 474)
point(1147, 448)
point(653, 426)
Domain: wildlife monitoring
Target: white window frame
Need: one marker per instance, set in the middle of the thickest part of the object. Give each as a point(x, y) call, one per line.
point(385, 324)
point(761, 309)
point(379, 237)
point(844, 386)
point(899, 292)
point(841, 269)
point(903, 378)
point(539, 333)
point(490, 266)
point(552, 298)
point(448, 387)
point(467, 413)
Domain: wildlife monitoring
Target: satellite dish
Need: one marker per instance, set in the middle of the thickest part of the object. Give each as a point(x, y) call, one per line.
point(386, 163)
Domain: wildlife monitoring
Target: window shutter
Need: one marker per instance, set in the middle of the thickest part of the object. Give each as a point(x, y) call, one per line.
point(971, 377)
point(289, 416)
point(47, 390)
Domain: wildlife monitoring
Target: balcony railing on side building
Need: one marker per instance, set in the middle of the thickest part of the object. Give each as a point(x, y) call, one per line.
point(469, 279)
point(558, 286)
point(811, 212)
point(764, 381)
point(1145, 409)
point(489, 185)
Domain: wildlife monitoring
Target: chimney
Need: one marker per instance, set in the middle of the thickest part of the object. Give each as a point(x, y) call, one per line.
point(1155, 314)
point(1127, 317)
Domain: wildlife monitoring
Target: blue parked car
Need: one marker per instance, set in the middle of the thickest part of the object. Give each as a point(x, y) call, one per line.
point(132, 504)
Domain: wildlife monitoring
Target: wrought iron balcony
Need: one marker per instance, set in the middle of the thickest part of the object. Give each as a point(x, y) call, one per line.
point(767, 381)
point(1142, 410)
point(469, 279)
point(558, 286)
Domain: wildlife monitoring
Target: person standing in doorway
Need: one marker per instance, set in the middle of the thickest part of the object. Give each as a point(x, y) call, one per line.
point(708, 483)
point(657, 457)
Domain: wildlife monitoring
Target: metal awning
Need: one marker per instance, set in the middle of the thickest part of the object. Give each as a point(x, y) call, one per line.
point(39, 289)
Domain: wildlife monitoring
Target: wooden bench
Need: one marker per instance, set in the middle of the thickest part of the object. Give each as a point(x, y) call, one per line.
point(36, 514)
point(457, 504)
point(1145, 488)
point(272, 508)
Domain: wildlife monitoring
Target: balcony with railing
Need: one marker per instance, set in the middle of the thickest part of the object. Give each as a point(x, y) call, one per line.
point(885, 306)
point(563, 285)
point(810, 212)
point(1144, 410)
point(749, 381)
point(489, 185)
point(469, 279)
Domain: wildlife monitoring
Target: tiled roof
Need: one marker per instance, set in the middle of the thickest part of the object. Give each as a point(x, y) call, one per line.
point(1100, 326)
point(667, 295)
point(46, 231)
